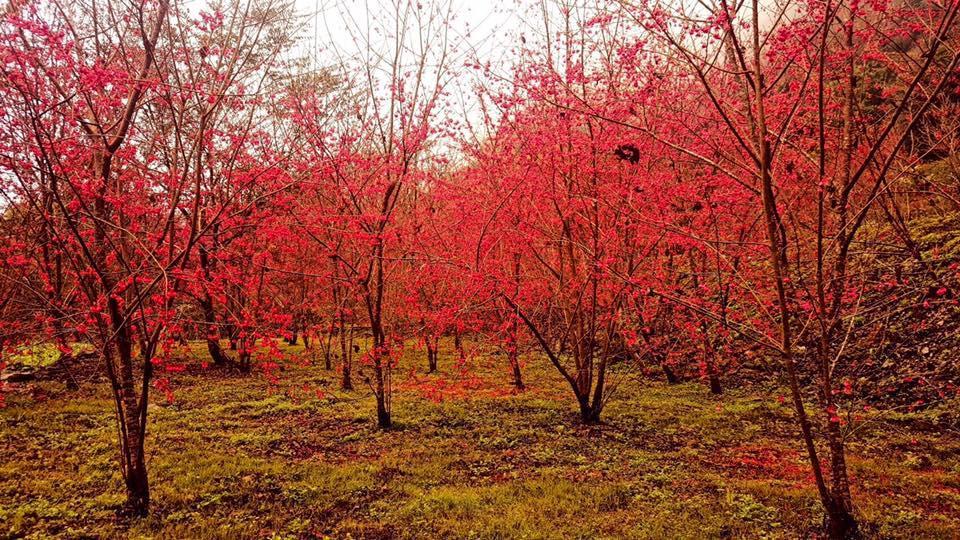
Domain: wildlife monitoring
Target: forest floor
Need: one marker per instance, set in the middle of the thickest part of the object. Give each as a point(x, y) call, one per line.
point(234, 457)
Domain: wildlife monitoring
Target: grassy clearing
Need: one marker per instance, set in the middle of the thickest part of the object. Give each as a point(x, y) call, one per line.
point(233, 458)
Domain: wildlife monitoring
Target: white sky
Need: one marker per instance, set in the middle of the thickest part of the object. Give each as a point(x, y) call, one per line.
point(488, 26)
point(480, 30)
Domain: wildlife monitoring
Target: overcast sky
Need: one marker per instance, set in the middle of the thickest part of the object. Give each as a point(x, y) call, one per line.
point(484, 30)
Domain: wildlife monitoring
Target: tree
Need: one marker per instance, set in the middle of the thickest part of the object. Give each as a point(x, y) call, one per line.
point(214, 129)
point(75, 79)
point(781, 84)
point(369, 167)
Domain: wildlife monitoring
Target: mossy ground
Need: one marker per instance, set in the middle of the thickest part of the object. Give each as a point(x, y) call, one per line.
point(233, 457)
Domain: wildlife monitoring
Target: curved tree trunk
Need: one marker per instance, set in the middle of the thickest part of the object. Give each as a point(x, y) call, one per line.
point(217, 354)
point(515, 369)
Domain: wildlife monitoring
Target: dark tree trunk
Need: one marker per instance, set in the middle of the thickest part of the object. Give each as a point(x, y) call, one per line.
point(589, 413)
point(346, 357)
point(382, 368)
point(63, 365)
point(841, 525)
point(515, 367)
point(209, 314)
point(326, 343)
point(710, 365)
point(382, 384)
point(245, 357)
point(133, 465)
point(381, 375)
point(381, 372)
point(715, 387)
point(432, 346)
point(590, 408)
point(346, 382)
point(293, 337)
point(219, 357)
point(514, 337)
point(383, 415)
point(131, 410)
point(669, 373)
point(138, 491)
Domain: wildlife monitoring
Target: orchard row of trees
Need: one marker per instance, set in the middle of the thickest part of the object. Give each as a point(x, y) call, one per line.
point(649, 184)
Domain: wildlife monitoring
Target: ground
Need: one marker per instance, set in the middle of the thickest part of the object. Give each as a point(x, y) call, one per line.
point(236, 457)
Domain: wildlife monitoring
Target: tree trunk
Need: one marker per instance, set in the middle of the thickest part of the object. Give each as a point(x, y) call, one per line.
point(293, 336)
point(669, 373)
point(133, 465)
point(216, 352)
point(840, 510)
point(383, 415)
point(841, 524)
point(137, 486)
point(514, 337)
point(346, 357)
point(209, 314)
point(383, 409)
point(246, 354)
point(345, 382)
point(432, 346)
point(840, 513)
point(382, 371)
point(381, 377)
point(709, 363)
point(131, 410)
point(715, 387)
point(589, 414)
point(515, 367)
point(326, 342)
point(63, 364)
point(219, 357)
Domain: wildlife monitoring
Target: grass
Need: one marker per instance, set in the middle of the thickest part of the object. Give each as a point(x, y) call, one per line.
point(233, 457)
point(41, 355)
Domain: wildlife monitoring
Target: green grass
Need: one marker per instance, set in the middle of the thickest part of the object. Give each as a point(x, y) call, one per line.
point(42, 354)
point(232, 457)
